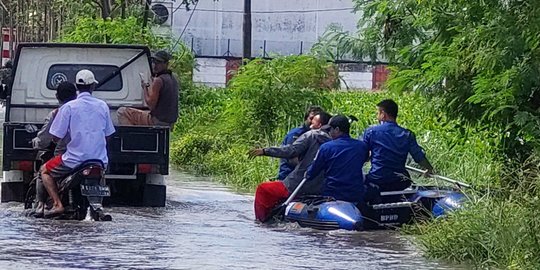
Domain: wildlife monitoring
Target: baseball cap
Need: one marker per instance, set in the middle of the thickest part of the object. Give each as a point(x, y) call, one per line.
point(340, 121)
point(85, 77)
point(162, 56)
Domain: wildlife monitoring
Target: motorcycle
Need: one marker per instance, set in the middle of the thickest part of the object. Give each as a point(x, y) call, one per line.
point(81, 191)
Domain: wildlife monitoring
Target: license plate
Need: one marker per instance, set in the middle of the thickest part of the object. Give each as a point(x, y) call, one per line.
point(99, 191)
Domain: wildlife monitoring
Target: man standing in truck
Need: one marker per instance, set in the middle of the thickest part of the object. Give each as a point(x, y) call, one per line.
point(161, 96)
point(89, 123)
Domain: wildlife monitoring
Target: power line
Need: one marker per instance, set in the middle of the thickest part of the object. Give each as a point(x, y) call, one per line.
point(185, 26)
point(178, 7)
point(273, 11)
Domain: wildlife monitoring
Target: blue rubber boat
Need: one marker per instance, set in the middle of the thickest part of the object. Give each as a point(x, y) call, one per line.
point(394, 209)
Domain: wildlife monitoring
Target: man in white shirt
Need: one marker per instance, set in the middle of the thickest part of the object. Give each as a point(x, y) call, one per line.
point(88, 122)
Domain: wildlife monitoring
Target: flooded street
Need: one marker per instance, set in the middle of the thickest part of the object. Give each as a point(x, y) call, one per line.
point(203, 226)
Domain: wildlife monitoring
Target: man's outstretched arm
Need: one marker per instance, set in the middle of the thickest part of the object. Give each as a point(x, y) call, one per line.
point(287, 151)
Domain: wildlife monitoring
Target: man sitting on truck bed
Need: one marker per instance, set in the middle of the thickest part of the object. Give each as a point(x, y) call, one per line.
point(89, 123)
point(161, 96)
point(65, 92)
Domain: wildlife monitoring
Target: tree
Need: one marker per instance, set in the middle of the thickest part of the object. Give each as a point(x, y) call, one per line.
point(482, 57)
point(44, 20)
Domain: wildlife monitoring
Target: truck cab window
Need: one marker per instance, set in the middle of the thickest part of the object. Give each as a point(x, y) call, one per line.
point(59, 73)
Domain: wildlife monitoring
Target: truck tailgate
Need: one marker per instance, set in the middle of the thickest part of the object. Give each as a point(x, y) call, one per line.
point(140, 144)
point(128, 145)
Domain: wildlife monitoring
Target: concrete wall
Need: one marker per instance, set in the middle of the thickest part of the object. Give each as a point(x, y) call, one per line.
point(213, 72)
point(355, 80)
point(355, 76)
point(210, 72)
point(284, 24)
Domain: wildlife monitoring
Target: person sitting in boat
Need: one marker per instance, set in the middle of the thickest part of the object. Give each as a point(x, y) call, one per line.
point(341, 161)
point(286, 166)
point(389, 145)
point(269, 194)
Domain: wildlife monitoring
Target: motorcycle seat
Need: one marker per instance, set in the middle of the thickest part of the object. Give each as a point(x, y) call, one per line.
point(95, 162)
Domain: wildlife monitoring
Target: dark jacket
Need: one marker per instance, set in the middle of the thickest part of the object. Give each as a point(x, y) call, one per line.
point(305, 148)
point(341, 161)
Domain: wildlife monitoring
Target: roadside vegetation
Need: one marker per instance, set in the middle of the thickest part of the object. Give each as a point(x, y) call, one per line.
point(466, 77)
point(500, 226)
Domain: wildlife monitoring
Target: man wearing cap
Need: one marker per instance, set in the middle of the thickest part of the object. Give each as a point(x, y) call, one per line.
point(88, 121)
point(341, 160)
point(389, 145)
point(268, 194)
point(161, 96)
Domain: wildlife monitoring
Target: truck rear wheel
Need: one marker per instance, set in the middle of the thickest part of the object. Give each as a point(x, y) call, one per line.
point(154, 190)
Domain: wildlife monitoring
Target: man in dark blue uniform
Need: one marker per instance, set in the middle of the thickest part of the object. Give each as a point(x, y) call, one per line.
point(389, 145)
point(341, 160)
point(286, 166)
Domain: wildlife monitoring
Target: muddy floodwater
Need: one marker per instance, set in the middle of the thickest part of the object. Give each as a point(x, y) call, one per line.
point(204, 226)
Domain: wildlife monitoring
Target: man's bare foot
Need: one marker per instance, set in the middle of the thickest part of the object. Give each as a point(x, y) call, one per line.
point(40, 209)
point(54, 212)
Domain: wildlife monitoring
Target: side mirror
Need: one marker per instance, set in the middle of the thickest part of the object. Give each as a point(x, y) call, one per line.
point(3, 91)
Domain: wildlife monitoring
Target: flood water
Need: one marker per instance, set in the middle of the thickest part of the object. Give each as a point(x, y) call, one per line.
point(203, 226)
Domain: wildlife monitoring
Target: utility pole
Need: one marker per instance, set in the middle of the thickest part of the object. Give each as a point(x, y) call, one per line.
point(147, 4)
point(105, 9)
point(246, 30)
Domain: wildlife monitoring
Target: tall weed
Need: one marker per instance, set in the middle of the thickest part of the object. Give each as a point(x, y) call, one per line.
point(264, 94)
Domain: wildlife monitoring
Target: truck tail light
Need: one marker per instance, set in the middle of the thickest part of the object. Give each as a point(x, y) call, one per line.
point(147, 168)
point(22, 165)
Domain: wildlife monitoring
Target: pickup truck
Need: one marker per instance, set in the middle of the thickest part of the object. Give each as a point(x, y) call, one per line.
point(138, 155)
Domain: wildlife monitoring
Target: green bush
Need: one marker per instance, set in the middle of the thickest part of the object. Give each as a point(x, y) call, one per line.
point(264, 94)
point(191, 148)
point(489, 233)
point(200, 107)
point(499, 229)
point(481, 57)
